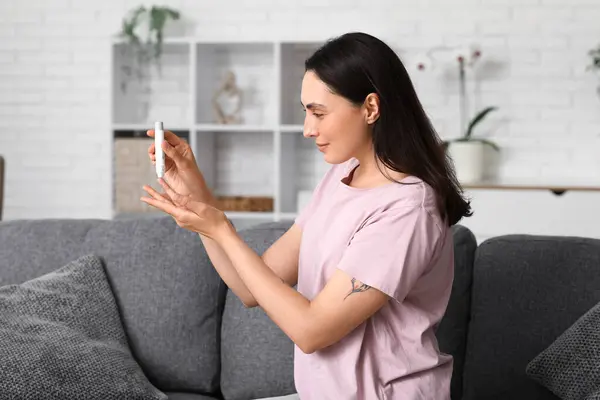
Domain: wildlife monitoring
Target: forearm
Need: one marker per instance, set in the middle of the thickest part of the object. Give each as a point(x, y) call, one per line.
point(225, 269)
point(283, 304)
point(220, 260)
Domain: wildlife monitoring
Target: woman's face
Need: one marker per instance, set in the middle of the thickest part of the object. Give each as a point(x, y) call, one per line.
point(339, 128)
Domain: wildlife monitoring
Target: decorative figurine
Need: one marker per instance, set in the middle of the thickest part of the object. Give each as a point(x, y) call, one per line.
point(227, 101)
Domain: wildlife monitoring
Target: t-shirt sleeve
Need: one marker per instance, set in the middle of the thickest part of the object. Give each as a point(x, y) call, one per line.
point(315, 198)
point(392, 250)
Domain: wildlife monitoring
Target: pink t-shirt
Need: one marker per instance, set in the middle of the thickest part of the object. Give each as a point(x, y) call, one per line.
point(391, 238)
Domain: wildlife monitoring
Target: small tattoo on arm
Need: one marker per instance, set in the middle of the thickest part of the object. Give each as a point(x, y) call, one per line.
point(357, 287)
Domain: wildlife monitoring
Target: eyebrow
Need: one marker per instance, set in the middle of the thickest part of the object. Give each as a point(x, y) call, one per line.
point(311, 106)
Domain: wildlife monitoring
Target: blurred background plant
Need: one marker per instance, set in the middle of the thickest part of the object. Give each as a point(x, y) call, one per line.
point(594, 65)
point(467, 152)
point(143, 34)
point(463, 58)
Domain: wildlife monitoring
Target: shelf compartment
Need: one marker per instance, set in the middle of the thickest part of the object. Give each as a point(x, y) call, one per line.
point(253, 65)
point(163, 96)
point(236, 163)
point(131, 170)
point(292, 60)
point(301, 168)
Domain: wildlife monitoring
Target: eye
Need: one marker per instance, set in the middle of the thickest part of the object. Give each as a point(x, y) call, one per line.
point(318, 115)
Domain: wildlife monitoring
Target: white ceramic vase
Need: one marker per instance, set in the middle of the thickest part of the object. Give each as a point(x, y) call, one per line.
point(469, 160)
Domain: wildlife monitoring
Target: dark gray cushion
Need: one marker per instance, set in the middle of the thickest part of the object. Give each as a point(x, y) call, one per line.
point(452, 331)
point(527, 290)
point(61, 337)
point(168, 294)
point(257, 357)
point(570, 367)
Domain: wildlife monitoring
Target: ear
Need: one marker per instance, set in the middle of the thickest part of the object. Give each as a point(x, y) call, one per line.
point(371, 108)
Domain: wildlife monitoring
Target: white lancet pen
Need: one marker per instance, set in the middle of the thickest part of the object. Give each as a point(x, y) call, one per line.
point(159, 137)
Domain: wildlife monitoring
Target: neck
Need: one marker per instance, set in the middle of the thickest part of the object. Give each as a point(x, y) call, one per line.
point(372, 168)
point(368, 165)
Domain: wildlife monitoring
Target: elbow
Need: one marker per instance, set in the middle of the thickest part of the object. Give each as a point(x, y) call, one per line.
point(311, 335)
point(249, 303)
point(309, 346)
point(306, 348)
point(307, 343)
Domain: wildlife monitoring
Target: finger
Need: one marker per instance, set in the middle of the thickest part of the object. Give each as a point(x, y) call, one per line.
point(178, 198)
point(157, 195)
point(152, 149)
point(171, 152)
point(170, 137)
point(169, 208)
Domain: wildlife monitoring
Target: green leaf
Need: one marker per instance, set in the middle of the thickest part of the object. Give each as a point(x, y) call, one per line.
point(130, 23)
point(478, 118)
point(158, 20)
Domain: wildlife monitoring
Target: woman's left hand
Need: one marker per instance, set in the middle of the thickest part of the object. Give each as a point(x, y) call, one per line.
point(189, 214)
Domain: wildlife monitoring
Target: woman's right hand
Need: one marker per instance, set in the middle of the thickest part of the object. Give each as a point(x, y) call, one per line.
point(181, 171)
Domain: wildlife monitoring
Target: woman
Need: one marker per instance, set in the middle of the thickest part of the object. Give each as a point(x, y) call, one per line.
point(372, 252)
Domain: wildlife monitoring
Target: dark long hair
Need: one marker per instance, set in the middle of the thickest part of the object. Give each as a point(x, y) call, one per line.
point(356, 64)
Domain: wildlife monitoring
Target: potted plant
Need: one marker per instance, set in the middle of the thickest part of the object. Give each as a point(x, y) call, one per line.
point(467, 151)
point(143, 32)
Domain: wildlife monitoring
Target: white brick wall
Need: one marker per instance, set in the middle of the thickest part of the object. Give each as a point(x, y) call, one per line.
point(55, 77)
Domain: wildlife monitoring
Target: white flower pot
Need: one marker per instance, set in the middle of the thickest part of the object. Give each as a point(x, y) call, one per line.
point(469, 161)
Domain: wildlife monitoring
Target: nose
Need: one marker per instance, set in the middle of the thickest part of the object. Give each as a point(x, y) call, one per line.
point(309, 129)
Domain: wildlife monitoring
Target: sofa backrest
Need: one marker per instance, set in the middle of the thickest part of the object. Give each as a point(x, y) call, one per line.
point(527, 290)
point(257, 357)
point(452, 331)
point(169, 296)
point(2, 173)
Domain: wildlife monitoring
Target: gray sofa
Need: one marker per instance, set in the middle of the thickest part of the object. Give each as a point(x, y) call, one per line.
point(512, 296)
point(2, 173)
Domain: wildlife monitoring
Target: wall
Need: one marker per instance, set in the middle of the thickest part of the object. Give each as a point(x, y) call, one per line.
point(55, 81)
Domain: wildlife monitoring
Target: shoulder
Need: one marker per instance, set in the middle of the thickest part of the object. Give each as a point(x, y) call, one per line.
point(413, 198)
point(407, 217)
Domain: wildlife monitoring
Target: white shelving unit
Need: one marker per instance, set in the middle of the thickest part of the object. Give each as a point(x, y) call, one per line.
point(265, 155)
